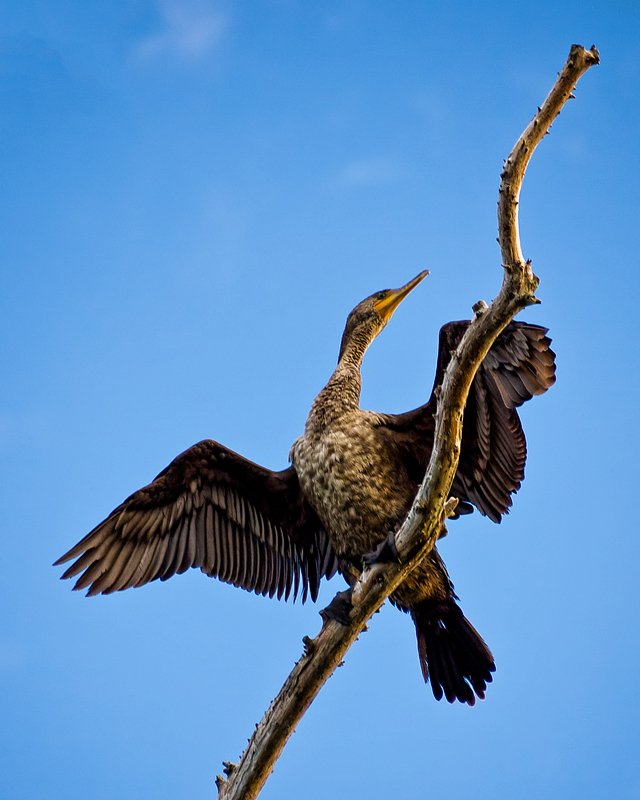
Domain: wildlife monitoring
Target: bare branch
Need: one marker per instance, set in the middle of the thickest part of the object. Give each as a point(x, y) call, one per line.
point(425, 522)
point(577, 64)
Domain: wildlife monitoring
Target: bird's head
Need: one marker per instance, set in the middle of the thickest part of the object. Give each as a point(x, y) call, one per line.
point(370, 316)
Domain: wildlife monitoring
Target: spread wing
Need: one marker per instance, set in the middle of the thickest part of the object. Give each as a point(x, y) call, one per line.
point(493, 452)
point(211, 509)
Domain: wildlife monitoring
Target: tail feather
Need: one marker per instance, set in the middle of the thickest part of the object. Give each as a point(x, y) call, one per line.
point(453, 656)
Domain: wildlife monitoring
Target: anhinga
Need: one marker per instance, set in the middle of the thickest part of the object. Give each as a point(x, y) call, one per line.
point(352, 479)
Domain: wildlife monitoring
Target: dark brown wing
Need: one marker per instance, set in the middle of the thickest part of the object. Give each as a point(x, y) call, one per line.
point(212, 509)
point(493, 453)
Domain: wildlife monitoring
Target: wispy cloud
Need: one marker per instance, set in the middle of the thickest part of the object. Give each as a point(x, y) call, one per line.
point(192, 28)
point(368, 172)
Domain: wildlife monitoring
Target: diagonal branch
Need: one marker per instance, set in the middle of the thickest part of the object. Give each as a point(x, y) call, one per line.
point(425, 521)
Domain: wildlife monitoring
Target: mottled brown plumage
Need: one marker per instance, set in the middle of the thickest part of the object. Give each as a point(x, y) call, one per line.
point(352, 479)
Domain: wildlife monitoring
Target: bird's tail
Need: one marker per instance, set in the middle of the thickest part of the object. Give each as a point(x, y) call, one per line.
point(453, 655)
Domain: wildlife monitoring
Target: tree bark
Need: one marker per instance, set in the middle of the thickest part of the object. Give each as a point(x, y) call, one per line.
point(425, 521)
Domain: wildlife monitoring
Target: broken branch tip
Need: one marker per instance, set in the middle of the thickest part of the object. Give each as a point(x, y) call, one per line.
point(479, 308)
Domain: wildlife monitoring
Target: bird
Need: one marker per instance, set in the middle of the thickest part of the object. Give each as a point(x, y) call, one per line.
point(352, 478)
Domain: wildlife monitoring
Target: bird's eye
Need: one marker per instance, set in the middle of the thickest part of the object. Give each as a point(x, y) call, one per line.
point(381, 295)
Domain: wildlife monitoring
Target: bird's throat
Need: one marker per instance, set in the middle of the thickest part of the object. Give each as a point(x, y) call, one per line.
point(341, 395)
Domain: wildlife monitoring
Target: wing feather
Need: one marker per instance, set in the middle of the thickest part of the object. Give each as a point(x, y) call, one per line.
point(189, 555)
point(165, 571)
point(131, 563)
point(181, 545)
point(148, 563)
point(110, 576)
point(493, 453)
point(216, 511)
point(209, 565)
point(200, 555)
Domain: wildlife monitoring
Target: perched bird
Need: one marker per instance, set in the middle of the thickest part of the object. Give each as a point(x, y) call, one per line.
point(353, 477)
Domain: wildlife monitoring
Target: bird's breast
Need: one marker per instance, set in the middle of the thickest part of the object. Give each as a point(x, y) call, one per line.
point(353, 477)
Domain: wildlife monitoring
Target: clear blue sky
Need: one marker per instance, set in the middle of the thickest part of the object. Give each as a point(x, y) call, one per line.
point(194, 195)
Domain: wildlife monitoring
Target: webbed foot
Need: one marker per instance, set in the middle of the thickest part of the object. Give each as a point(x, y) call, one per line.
point(339, 608)
point(385, 553)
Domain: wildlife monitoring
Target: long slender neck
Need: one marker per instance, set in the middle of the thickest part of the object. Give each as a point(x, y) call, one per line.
point(342, 392)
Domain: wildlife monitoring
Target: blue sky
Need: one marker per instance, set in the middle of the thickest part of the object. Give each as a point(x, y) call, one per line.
point(194, 196)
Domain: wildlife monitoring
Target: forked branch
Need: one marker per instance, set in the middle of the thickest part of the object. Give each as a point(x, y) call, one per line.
point(424, 523)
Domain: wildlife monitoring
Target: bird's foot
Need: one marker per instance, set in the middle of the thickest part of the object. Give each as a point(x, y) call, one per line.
point(461, 509)
point(339, 608)
point(385, 553)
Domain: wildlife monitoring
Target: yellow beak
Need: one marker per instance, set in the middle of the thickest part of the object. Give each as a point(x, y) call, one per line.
point(386, 305)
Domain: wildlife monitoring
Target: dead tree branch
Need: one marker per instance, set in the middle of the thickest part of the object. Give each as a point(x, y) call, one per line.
point(424, 523)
